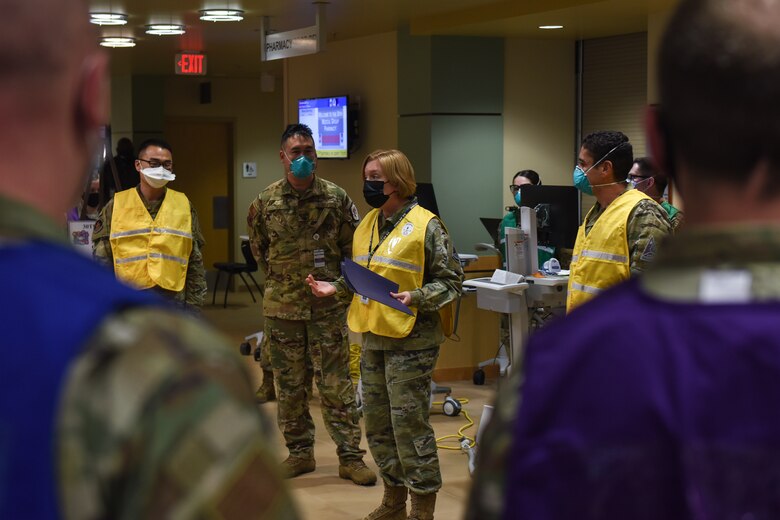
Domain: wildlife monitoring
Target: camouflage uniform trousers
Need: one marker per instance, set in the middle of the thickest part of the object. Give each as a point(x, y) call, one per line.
point(324, 341)
point(396, 407)
point(266, 368)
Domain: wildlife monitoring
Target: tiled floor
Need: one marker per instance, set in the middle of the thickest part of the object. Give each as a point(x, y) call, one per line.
point(321, 495)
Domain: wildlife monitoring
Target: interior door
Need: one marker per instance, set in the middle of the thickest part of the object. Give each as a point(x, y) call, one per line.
point(203, 164)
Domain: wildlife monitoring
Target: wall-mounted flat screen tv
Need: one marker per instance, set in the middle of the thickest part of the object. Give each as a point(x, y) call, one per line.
point(327, 118)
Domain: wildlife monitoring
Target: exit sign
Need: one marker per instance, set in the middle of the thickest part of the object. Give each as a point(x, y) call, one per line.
point(191, 64)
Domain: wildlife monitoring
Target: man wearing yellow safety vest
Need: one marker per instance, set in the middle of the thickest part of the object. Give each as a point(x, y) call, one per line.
point(622, 230)
point(150, 234)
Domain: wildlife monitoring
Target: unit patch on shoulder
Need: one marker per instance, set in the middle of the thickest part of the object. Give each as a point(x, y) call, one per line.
point(649, 253)
point(407, 229)
point(355, 214)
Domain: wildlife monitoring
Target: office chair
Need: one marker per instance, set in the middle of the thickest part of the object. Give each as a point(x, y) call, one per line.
point(237, 268)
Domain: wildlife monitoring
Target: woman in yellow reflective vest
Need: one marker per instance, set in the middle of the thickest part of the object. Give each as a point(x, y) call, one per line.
point(409, 245)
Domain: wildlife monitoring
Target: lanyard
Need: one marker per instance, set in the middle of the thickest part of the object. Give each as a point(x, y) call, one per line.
point(371, 248)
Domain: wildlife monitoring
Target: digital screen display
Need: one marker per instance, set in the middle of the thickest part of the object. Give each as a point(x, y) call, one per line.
point(327, 118)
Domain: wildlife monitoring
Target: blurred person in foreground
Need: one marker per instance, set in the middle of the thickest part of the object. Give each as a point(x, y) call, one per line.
point(645, 177)
point(111, 404)
point(671, 414)
point(404, 242)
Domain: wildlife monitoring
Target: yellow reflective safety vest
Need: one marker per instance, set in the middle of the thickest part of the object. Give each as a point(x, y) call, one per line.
point(601, 258)
point(400, 257)
point(151, 252)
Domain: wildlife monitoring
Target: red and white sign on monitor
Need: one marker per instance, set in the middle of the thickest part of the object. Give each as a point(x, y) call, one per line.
point(191, 64)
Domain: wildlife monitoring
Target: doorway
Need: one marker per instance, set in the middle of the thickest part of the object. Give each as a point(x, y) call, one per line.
point(203, 164)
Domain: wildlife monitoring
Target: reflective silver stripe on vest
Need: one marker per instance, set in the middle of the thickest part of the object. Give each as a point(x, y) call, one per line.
point(396, 263)
point(170, 231)
point(574, 258)
point(585, 288)
point(362, 258)
point(168, 257)
point(601, 255)
point(131, 232)
point(131, 259)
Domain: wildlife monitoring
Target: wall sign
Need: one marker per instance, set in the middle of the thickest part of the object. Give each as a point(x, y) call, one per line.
point(190, 64)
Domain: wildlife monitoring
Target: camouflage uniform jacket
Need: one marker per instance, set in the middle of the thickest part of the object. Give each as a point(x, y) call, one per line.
point(647, 226)
point(293, 234)
point(676, 216)
point(674, 276)
point(157, 417)
point(194, 292)
point(442, 284)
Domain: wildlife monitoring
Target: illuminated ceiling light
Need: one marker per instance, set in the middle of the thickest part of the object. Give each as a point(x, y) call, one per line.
point(163, 29)
point(117, 41)
point(548, 27)
point(222, 15)
point(108, 18)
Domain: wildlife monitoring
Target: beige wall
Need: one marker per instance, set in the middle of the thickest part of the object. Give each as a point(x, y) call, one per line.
point(121, 109)
point(365, 69)
point(257, 120)
point(538, 111)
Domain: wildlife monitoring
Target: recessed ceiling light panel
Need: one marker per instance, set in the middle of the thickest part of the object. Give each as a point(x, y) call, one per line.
point(108, 18)
point(163, 29)
point(117, 41)
point(222, 15)
point(550, 27)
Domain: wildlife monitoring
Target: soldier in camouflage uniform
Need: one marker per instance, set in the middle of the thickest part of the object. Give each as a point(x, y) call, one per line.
point(623, 220)
point(112, 404)
point(645, 177)
point(153, 153)
point(396, 365)
point(299, 225)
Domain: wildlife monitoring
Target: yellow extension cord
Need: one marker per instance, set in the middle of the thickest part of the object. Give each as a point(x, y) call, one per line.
point(460, 435)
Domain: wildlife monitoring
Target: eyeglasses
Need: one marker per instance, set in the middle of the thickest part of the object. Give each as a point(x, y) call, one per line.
point(637, 178)
point(154, 163)
point(514, 188)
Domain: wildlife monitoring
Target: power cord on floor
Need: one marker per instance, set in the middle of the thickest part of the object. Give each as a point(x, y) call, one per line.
point(460, 436)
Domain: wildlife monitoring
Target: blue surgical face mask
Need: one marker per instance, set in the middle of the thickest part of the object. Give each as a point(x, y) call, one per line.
point(581, 181)
point(301, 167)
point(641, 184)
point(517, 197)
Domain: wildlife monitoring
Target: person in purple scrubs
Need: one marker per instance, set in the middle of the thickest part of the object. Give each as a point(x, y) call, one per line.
point(659, 398)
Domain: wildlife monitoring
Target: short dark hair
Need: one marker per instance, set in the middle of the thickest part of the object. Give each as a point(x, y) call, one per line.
point(719, 68)
point(621, 153)
point(648, 168)
point(124, 148)
point(296, 129)
point(530, 175)
point(154, 141)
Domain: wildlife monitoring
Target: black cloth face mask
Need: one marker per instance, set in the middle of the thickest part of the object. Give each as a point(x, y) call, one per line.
point(373, 193)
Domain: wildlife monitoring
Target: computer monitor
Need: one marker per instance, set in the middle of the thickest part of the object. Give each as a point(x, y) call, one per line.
point(557, 213)
point(491, 225)
point(427, 198)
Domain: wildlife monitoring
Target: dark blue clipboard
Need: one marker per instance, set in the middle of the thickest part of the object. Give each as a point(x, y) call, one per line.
point(371, 285)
